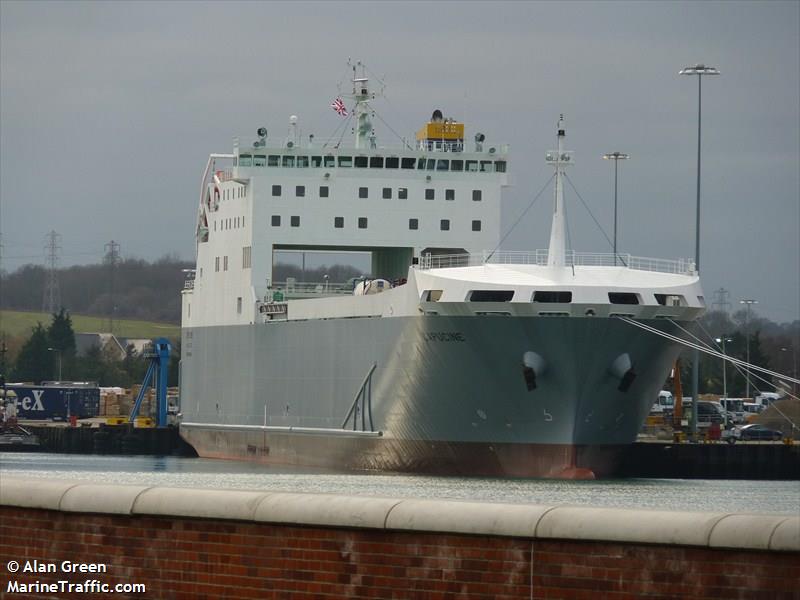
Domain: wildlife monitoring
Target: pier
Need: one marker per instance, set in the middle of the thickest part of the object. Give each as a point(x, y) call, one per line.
point(109, 439)
point(189, 543)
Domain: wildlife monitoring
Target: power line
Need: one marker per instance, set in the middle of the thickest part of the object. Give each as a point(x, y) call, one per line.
point(111, 259)
point(721, 301)
point(51, 299)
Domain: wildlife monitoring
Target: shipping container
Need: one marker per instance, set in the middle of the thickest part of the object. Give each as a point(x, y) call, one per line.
point(54, 402)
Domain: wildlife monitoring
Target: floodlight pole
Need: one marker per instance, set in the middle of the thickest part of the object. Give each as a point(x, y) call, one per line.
point(748, 302)
point(616, 157)
point(698, 70)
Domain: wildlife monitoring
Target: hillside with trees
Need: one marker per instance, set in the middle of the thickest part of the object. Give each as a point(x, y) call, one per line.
point(139, 289)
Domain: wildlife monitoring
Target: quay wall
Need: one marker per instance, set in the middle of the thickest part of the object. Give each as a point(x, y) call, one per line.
point(207, 543)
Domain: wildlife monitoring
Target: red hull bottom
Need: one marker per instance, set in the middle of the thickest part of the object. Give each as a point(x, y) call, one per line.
point(359, 453)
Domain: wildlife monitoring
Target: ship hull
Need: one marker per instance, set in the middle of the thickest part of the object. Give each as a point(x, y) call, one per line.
point(473, 459)
point(449, 395)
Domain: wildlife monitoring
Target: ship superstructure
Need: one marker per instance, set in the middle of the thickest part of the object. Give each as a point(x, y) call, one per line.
point(452, 358)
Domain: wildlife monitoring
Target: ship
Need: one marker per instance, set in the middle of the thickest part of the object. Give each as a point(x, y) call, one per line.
point(453, 357)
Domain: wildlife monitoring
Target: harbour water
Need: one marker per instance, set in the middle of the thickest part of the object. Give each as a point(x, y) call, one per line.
point(774, 497)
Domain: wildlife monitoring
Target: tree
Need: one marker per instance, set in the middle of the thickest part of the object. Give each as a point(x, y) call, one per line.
point(61, 334)
point(62, 338)
point(35, 361)
point(134, 365)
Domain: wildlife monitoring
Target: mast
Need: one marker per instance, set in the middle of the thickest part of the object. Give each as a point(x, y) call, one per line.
point(362, 97)
point(556, 255)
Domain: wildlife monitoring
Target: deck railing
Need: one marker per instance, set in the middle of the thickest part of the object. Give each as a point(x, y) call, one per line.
point(539, 257)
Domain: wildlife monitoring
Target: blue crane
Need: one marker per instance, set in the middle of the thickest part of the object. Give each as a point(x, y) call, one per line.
point(159, 361)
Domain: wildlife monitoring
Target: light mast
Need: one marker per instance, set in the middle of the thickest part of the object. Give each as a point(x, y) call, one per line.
point(362, 96)
point(556, 254)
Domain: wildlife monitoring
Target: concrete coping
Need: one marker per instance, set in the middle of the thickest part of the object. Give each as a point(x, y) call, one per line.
point(577, 523)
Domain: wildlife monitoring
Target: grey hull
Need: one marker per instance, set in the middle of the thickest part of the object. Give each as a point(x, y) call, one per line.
point(448, 393)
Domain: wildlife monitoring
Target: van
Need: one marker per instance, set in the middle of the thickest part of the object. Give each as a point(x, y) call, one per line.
point(664, 404)
point(735, 408)
point(707, 412)
point(766, 398)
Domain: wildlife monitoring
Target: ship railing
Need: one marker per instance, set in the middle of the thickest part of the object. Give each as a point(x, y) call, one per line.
point(409, 146)
point(306, 289)
point(539, 257)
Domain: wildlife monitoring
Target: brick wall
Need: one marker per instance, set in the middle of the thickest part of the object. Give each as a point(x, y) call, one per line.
point(191, 558)
point(185, 543)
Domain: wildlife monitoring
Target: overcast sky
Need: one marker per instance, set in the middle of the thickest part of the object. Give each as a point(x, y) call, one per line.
point(108, 111)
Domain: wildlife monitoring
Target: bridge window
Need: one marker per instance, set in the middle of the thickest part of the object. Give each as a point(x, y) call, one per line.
point(476, 226)
point(552, 297)
point(300, 191)
point(247, 257)
point(670, 300)
point(288, 161)
point(408, 163)
point(295, 221)
point(431, 295)
point(500, 166)
point(421, 164)
point(490, 296)
point(387, 193)
point(477, 195)
point(402, 193)
point(224, 263)
point(273, 160)
point(276, 220)
point(376, 162)
point(361, 162)
point(431, 164)
point(302, 161)
point(362, 222)
point(457, 165)
point(449, 194)
point(442, 165)
point(216, 263)
point(345, 161)
point(623, 298)
point(245, 160)
point(486, 166)
point(413, 224)
point(363, 192)
point(444, 224)
point(276, 190)
point(316, 161)
point(338, 222)
point(392, 162)
point(430, 193)
point(472, 166)
point(323, 191)
point(330, 161)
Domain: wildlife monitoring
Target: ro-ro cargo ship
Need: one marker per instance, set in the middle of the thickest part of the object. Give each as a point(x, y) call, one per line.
point(452, 359)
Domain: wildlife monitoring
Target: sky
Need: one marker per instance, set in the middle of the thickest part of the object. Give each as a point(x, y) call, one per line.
point(109, 110)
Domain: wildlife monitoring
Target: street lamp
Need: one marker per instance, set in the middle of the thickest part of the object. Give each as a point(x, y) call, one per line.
point(794, 362)
point(748, 302)
point(699, 70)
point(58, 353)
point(722, 341)
point(616, 157)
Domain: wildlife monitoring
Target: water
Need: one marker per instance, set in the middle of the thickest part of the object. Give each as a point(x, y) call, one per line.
point(775, 497)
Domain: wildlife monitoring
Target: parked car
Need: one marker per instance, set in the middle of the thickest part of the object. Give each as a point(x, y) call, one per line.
point(755, 431)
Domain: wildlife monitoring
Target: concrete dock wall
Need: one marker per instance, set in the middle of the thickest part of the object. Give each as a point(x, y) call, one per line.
point(190, 543)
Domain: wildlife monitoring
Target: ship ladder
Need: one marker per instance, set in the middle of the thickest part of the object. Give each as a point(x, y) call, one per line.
point(362, 404)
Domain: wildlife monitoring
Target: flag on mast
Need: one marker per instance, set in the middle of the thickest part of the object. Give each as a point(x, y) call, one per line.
point(339, 107)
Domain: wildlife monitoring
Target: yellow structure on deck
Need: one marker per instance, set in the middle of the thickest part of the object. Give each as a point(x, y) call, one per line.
point(445, 135)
